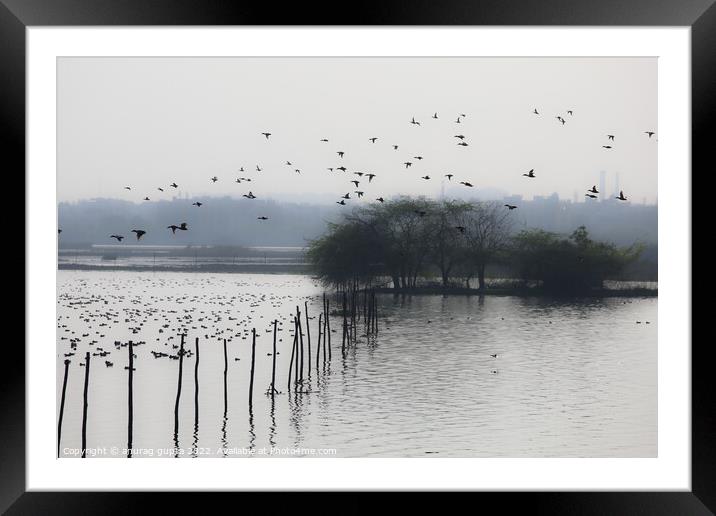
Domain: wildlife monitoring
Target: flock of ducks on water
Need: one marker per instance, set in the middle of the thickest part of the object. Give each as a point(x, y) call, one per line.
point(591, 193)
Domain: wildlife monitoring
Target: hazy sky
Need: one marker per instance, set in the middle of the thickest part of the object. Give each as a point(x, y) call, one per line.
point(145, 122)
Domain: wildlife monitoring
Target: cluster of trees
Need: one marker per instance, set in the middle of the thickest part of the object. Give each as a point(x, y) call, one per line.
point(407, 239)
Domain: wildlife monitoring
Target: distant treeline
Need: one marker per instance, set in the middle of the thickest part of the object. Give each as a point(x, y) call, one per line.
point(228, 221)
point(410, 239)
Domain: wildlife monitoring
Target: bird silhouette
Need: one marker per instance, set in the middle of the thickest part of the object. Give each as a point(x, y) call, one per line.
point(373, 139)
point(531, 173)
point(342, 169)
point(425, 177)
point(288, 163)
point(593, 189)
point(359, 174)
point(324, 139)
point(160, 189)
point(197, 204)
point(262, 218)
point(435, 116)
point(360, 194)
point(59, 231)
point(466, 183)
point(118, 237)
point(370, 177)
point(449, 176)
point(127, 188)
point(621, 196)
point(258, 169)
point(610, 136)
point(340, 154)
point(463, 144)
point(607, 146)
point(356, 183)
point(510, 206)
point(414, 122)
point(461, 136)
point(395, 147)
point(536, 112)
point(249, 195)
point(421, 213)
point(418, 157)
point(174, 185)
point(214, 179)
point(266, 135)
point(407, 164)
point(650, 133)
point(347, 196)
point(591, 196)
point(181, 227)
point(380, 199)
point(570, 112)
point(139, 233)
point(341, 202)
point(146, 198)
point(560, 119)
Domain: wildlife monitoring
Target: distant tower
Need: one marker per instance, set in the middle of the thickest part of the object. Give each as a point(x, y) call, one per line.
point(602, 185)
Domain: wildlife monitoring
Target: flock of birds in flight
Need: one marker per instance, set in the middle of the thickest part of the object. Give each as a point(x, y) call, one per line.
point(591, 193)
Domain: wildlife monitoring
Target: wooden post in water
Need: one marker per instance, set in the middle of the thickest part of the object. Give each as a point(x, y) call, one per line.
point(308, 336)
point(327, 332)
point(62, 405)
point(226, 370)
point(176, 404)
point(130, 408)
point(300, 336)
point(318, 346)
point(345, 323)
point(84, 406)
point(273, 365)
point(253, 361)
point(296, 332)
point(196, 385)
point(290, 363)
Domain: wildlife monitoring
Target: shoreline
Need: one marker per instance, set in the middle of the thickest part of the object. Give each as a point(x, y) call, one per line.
point(259, 268)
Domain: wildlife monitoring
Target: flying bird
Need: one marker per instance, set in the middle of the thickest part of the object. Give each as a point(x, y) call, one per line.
point(359, 174)
point(324, 139)
point(461, 136)
point(197, 204)
point(174, 185)
point(146, 198)
point(262, 218)
point(356, 183)
point(160, 189)
point(347, 196)
point(435, 116)
point(536, 112)
point(621, 196)
point(414, 122)
point(449, 176)
point(214, 179)
point(139, 233)
point(360, 194)
point(466, 184)
point(380, 199)
point(510, 206)
point(421, 212)
point(607, 146)
point(340, 154)
point(593, 189)
point(458, 120)
point(341, 202)
point(395, 147)
point(407, 164)
point(425, 177)
point(418, 157)
point(610, 136)
point(463, 144)
point(181, 227)
point(373, 139)
point(370, 177)
point(118, 237)
point(127, 188)
point(650, 133)
point(266, 135)
point(342, 169)
point(591, 196)
point(531, 173)
point(250, 195)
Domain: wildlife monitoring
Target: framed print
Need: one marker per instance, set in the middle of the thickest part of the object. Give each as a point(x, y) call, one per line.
point(420, 252)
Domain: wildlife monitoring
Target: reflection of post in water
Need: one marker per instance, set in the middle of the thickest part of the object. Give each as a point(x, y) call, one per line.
point(252, 432)
point(62, 405)
point(176, 404)
point(308, 336)
point(130, 408)
point(272, 427)
point(327, 330)
point(196, 396)
point(84, 406)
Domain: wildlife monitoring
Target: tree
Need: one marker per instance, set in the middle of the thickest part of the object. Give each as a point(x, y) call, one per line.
point(488, 226)
point(573, 264)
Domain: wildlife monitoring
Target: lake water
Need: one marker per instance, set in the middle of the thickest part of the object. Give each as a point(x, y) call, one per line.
point(572, 378)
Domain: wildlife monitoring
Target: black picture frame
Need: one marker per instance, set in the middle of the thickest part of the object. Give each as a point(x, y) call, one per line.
point(16, 15)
